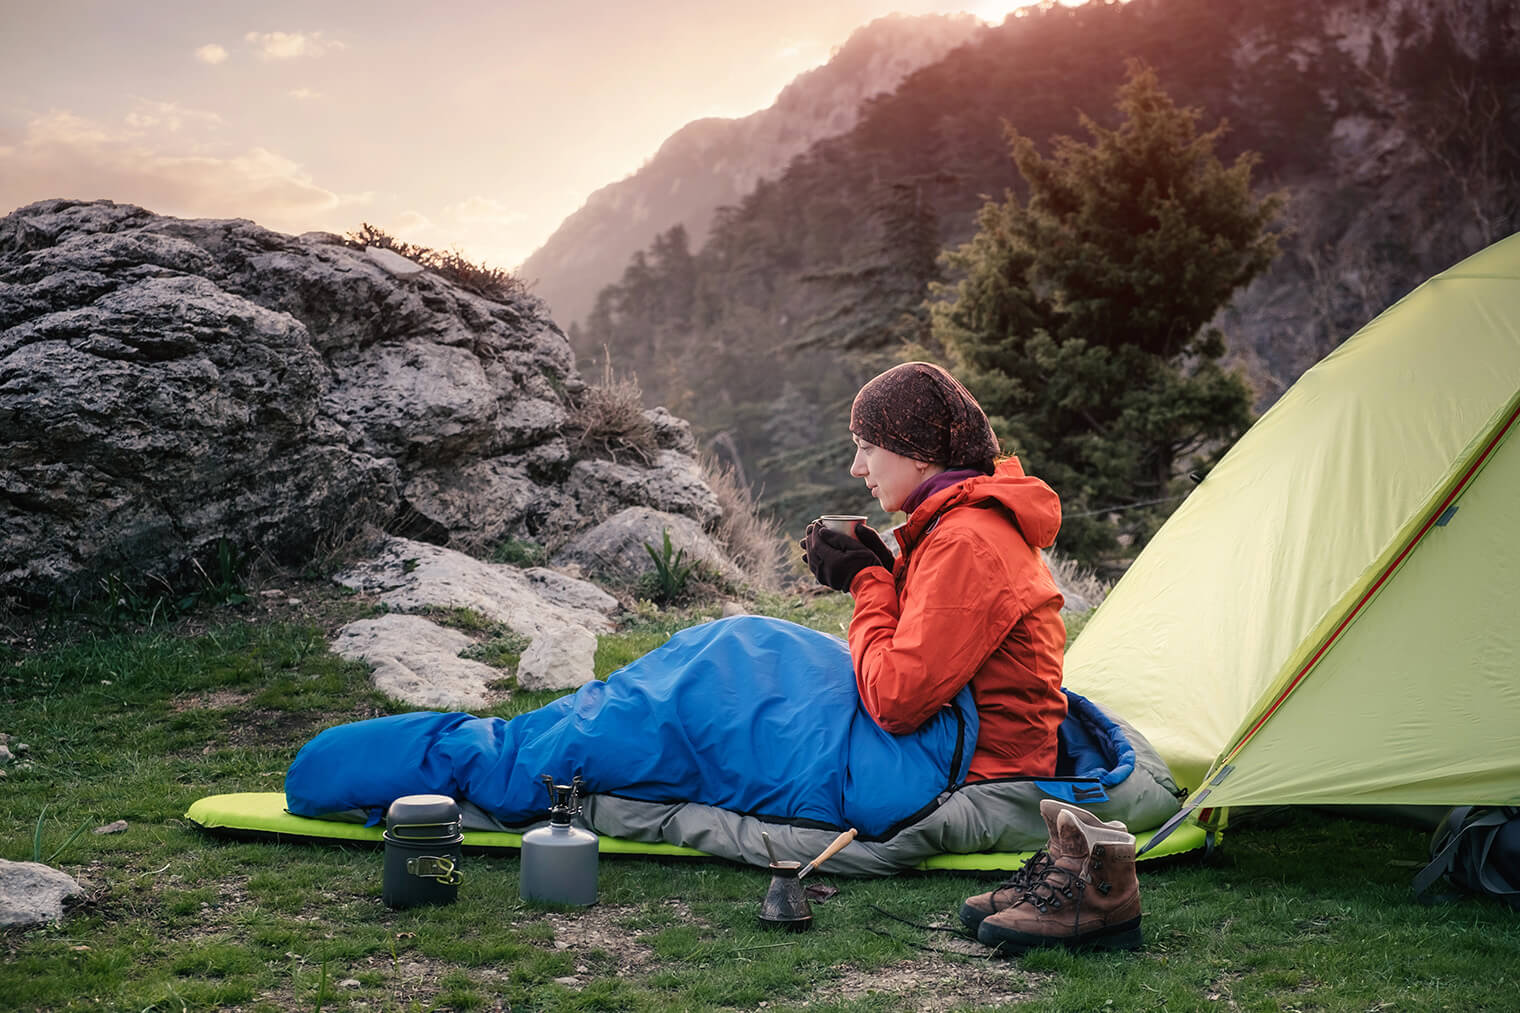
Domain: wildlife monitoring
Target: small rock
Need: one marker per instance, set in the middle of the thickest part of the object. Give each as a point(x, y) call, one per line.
point(5, 756)
point(32, 894)
point(272, 592)
point(393, 263)
point(570, 981)
point(560, 944)
point(349, 983)
point(22, 747)
point(112, 828)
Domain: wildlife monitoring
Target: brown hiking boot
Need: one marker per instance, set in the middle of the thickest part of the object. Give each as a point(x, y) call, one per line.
point(974, 909)
point(1088, 898)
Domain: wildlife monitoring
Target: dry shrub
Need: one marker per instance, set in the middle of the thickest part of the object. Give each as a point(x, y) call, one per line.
point(1082, 588)
point(608, 419)
point(754, 541)
point(490, 282)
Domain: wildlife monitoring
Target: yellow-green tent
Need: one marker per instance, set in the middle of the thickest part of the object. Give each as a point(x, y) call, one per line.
point(1333, 615)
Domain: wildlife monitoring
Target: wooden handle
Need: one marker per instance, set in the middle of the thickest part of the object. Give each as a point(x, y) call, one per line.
point(832, 849)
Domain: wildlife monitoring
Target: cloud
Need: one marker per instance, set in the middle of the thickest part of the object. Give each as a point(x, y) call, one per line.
point(290, 45)
point(801, 50)
point(64, 155)
point(211, 53)
point(147, 114)
point(411, 223)
point(479, 210)
point(303, 94)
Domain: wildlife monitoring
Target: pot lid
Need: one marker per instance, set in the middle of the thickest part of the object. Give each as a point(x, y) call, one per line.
point(422, 810)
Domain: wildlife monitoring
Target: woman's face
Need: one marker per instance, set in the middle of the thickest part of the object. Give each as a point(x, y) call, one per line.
point(890, 477)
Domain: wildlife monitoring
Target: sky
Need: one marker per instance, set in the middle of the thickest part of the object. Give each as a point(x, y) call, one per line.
point(476, 125)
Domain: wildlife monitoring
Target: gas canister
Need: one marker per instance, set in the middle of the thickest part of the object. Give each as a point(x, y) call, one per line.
point(559, 860)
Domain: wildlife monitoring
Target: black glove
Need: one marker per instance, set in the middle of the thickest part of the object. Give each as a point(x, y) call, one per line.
point(836, 558)
point(868, 537)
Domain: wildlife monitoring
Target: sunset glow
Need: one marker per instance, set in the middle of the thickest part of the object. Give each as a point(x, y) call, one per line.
point(478, 126)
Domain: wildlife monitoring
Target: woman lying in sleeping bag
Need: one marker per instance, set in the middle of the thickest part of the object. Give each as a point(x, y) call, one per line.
point(952, 670)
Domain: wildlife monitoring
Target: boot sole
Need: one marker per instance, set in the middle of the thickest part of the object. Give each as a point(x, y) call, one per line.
point(1124, 936)
point(972, 917)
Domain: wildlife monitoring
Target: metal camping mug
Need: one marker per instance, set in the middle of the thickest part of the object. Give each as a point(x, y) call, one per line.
point(843, 523)
point(423, 837)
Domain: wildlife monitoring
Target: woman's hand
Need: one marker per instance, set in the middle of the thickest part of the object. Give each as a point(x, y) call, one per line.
point(836, 558)
point(868, 537)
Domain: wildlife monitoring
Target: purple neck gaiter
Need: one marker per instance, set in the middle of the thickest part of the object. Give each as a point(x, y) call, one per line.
point(936, 483)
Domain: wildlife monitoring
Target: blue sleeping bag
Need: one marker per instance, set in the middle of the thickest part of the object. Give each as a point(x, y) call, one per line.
point(752, 714)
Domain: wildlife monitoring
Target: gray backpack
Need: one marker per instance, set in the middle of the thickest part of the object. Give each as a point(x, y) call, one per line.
point(1476, 848)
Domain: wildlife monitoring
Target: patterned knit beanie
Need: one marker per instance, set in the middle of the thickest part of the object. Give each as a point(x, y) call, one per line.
point(922, 412)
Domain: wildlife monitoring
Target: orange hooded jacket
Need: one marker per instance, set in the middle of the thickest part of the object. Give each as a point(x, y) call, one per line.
point(970, 600)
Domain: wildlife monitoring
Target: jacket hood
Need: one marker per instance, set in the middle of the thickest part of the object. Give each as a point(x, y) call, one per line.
point(1033, 504)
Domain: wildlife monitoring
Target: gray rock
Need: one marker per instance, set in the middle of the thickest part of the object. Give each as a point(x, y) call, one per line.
point(673, 483)
point(33, 894)
point(484, 502)
point(168, 383)
point(670, 432)
point(563, 659)
point(417, 661)
point(410, 575)
point(393, 263)
point(616, 547)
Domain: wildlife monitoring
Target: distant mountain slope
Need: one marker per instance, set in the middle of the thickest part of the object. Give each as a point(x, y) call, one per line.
point(714, 162)
point(1392, 125)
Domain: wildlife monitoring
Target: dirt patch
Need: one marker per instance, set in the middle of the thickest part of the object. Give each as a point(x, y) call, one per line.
point(220, 699)
point(601, 942)
point(408, 981)
point(938, 982)
point(278, 728)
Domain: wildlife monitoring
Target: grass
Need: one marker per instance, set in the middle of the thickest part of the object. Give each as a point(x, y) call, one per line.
point(1296, 911)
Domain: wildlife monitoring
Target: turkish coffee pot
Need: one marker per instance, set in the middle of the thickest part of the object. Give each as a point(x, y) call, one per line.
point(786, 905)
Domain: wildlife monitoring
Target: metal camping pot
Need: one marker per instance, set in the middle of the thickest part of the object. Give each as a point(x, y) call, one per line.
point(422, 851)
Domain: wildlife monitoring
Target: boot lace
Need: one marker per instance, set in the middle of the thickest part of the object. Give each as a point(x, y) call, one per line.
point(1047, 892)
point(1027, 875)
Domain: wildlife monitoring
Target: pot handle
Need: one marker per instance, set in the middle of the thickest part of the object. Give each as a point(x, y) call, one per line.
point(831, 850)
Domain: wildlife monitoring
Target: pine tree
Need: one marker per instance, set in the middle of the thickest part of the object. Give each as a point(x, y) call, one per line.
point(1081, 317)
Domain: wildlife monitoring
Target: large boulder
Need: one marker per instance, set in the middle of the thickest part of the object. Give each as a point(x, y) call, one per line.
point(166, 384)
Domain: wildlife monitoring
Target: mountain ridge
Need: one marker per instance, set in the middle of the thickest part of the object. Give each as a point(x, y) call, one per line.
point(683, 184)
